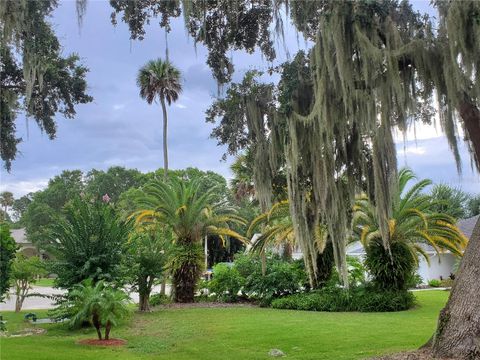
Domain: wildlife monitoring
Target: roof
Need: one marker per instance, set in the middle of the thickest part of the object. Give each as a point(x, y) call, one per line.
point(20, 236)
point(467, 225)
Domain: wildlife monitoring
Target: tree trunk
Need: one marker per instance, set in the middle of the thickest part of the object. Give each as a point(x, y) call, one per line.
point(165, 146)
point(185, 279)
point(108, 327)
point(144, 302)
point(96, 324)
point(18, 303)
point(458, 330)
point(264, 262)
point(163, 285)
point(470, 115)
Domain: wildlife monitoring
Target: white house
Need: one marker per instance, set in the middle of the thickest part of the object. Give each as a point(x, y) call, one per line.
point(441, 265)
point(25, 246)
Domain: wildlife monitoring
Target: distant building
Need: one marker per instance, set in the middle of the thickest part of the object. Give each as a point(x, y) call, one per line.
point(441, 265)
point(26, 247)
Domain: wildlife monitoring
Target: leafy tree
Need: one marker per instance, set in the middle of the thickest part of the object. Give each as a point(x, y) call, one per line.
point(412, 224)
point(450, 201)
point(8, 248)
point(146, 257)
point(99, 303)
point(47, 205)
point(6, 200)
point(115, 181)
point(190, 215)
point(35, 78)
point(473, 206)
point(87, 243)
point(20, 206)
point(160, 79)
point(25, 272)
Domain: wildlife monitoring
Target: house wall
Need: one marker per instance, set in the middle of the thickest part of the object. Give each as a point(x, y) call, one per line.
point(437, 269)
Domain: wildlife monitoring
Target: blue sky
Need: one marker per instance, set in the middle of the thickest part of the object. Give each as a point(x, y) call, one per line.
point(119, 128)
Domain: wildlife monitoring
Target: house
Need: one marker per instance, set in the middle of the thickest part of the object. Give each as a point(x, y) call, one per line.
point(26, 247)
point(441, 265)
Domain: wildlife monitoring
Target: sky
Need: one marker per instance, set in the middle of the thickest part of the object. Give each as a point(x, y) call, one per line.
point(119, 128)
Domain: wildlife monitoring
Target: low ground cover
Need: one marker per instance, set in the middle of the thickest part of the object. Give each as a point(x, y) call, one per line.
point(238, 332)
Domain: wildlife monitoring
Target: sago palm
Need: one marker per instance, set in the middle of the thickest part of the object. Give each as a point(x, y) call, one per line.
point(191, 215)
point(159, 79)
point(413, 225)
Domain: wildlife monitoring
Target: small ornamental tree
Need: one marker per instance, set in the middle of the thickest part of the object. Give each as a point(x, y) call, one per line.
point(146, 256)
point(8, 247)
point(25, 272)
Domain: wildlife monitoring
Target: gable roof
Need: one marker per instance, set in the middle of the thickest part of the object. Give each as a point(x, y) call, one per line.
point(467, 225)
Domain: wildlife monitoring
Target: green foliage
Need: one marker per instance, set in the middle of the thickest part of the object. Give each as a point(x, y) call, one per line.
point(36, 79)
point(191, 215)
point(413, 223)
point(226, 282)
point(473, 206)
point(281, 278)
point(8, 248)
point(99, 303)
point(159, 78)
point(356, 299)
point(145, 257)
point(449, 200)
point(87, 243)
point(434, 283)
point(159, 299)
point(25, 271)
point(391, 268)
point(414, 281)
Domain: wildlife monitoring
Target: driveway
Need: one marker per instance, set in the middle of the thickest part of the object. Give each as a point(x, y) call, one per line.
point(38, 302)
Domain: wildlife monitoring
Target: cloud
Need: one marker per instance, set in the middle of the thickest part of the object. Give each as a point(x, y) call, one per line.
point(180, 106)
point(117, 107)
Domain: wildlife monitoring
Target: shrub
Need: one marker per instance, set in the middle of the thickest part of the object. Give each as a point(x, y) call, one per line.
point(359, 299)
point(434, 283)
point(159, 299)
point(414, 280)
point(390, 271)
point(226, 282)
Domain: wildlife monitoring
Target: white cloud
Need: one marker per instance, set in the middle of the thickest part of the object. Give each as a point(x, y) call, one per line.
point(20, 188)
point(415, 150)
point(181, 106)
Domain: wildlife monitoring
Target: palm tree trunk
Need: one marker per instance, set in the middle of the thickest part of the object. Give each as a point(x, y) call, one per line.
point(108, 327)
point(96, 324)
point(264, 262)
point(165, 144)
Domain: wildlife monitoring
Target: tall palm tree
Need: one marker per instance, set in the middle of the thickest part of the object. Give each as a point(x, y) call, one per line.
point(413, 224)
point(191, 215)
point(160, 79)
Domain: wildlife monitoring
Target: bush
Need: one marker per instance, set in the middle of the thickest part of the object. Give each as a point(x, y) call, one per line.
point(282, 277)
point(336, 299)
point(390, 271)
point(414, 281)
point(434, 283)
point(226, 282)
point(159, 299)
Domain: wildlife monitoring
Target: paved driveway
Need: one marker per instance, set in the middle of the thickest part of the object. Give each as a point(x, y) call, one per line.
point(37, 302)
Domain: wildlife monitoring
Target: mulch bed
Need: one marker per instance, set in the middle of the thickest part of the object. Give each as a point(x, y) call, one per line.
point(96, 342)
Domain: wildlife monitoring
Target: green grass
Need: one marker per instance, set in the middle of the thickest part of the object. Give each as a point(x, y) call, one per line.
point(239, 333)
point(44, 282)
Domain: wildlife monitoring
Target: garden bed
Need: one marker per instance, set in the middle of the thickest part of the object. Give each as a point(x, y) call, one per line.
point(103, 342)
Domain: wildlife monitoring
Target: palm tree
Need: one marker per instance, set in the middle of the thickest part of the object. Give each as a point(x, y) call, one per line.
point(6, 200)
point(160, 79)
point(191, 215)
point(413, 224)
point(98, 303)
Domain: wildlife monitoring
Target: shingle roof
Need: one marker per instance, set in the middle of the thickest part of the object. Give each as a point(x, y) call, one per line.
point(467, 225)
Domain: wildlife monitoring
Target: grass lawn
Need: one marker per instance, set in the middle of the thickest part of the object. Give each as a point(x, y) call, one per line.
point(238, 333)
point(44, 282)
